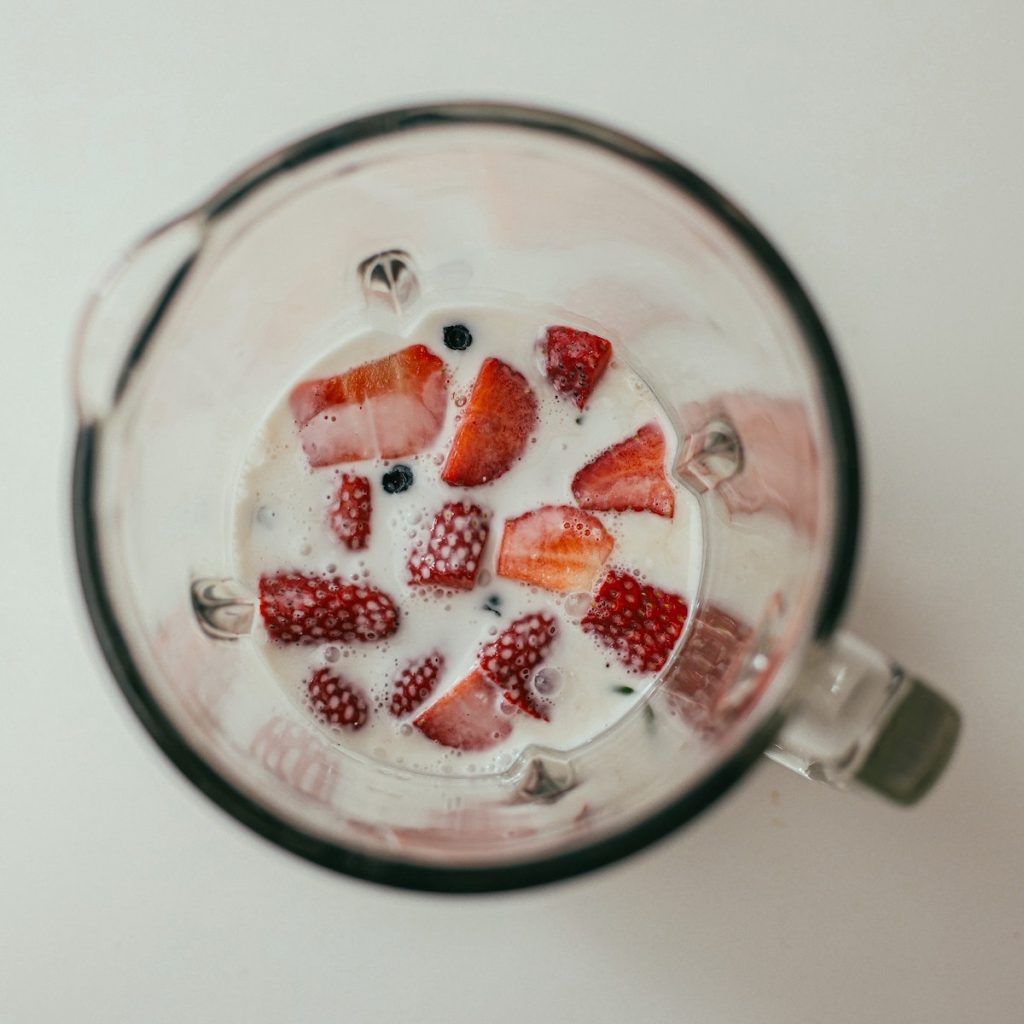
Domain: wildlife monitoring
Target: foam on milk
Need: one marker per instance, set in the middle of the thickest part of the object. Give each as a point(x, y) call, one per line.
point(280, 525)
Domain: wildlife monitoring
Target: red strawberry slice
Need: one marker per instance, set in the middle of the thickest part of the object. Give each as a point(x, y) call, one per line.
point(700, 684)
point(576, 361)
point(337, 702)
point(391, 407)
point(467, 717)
point(453, 551)
point(557, 547)
point(349, 516)
point(415, 683)
point(509, 660)
point(499, 417)
point(640, 623)
point(629, 476)
point(302, 608)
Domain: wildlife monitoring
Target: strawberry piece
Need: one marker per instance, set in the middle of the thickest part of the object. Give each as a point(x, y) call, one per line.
point(510, 658)
point(576, 361)
point(499, 417)
point(640, 623)
point(337, 702)
point(452, 553)
point(415, 683)
point(302, 608)
point(467, 717)
point(557, 547)
point(349, 516)
point(391, 407)
point(701, 683)
point(629, 476)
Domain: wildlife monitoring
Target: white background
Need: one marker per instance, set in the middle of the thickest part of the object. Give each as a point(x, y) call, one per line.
point(880, 144)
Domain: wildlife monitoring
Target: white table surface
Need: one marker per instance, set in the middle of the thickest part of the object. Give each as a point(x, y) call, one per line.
point(880, 144)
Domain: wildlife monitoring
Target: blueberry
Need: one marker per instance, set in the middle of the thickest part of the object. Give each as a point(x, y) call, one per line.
point(397, 479)
point(457, 337)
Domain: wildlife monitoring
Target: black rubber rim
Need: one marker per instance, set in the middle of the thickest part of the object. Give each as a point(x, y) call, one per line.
point(492, 878)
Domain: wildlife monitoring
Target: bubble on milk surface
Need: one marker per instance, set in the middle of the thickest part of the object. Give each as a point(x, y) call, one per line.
point(547, 681)
point(577, 604)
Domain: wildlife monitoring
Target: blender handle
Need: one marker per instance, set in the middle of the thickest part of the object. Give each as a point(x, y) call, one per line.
point(861, 721)
point(113, 327)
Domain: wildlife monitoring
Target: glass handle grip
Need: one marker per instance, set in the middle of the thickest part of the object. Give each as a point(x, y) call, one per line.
point(863, 722)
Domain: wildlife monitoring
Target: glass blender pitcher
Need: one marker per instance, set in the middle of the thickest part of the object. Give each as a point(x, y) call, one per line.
point(192, 338)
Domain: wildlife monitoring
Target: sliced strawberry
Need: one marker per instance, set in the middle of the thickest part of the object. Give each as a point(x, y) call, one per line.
point(499, 417)
point(349, 516)
point(510, 658)
point(629, 476)
point(337, 702)
point(700, 684)
point(452, 553)
point(640, 623)
point(467, 717)
point(301, 608)
point(557, 547)
point(576, 361)
point(415, 683)
point(391, 407)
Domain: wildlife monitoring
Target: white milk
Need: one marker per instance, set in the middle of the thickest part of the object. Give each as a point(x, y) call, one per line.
point(280, 526)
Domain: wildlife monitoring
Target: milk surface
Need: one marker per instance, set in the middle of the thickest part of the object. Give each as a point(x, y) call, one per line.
point(281, 525)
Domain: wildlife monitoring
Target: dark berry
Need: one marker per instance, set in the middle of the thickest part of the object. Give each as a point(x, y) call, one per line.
point(457, 337)
point(397, 479)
